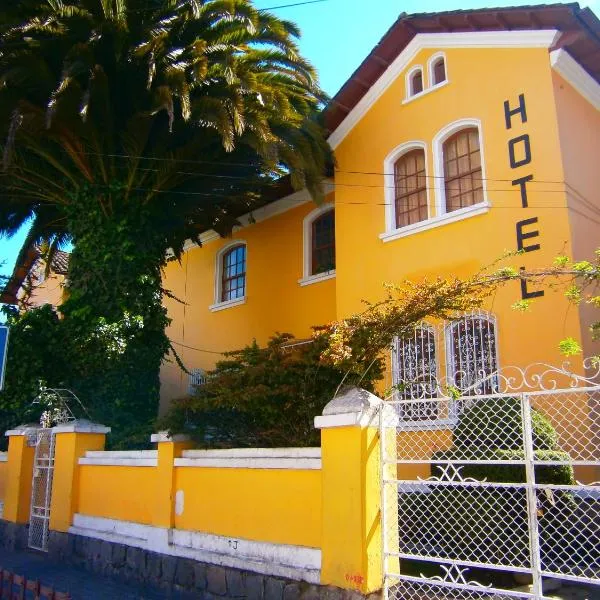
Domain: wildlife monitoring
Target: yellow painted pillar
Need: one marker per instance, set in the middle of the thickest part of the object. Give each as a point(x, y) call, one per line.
point(352, 540)
point(21, 453)
point(72, 441)
point(169, 448)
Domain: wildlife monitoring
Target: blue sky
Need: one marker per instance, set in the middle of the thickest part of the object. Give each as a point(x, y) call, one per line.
point(336, 36)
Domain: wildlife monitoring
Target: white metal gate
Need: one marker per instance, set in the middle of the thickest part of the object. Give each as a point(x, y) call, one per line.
point(41, 489)
point(494, 492)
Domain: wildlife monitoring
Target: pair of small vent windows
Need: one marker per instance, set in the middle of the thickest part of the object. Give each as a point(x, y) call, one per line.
point(437, 74)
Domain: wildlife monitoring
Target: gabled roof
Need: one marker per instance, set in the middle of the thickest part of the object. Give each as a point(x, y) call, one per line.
point(59, 266)
point(580, 28)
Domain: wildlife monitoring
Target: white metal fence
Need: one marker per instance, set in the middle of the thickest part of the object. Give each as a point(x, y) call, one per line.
point(493, 493)
point(41, 489)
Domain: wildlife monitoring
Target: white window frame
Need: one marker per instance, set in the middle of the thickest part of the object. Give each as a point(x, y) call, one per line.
point(449, 333)
point(390, 186)
point(218, 285)
point(308, 278)
point(410, 93)
point(439, 175)
point(430, 64)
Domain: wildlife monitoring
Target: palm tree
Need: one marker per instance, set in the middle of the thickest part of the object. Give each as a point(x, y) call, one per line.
point(130, 126)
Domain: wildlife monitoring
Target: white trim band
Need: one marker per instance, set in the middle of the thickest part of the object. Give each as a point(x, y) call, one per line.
point(317, 278)
point(81, 426)
point(295, 459)
point(131, 458)
point(568, 68)
point(3, 456)
point(281, 560)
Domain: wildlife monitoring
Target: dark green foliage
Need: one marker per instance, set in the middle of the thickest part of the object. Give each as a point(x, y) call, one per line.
point(264, 396)
point(497, 423)
point(35, 351)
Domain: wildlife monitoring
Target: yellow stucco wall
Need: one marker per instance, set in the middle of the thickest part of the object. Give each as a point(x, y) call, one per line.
point(270, 505)
point(479, 83)
point(275, 301)
point(579, 124)
point(3, 471)
point(117, 492)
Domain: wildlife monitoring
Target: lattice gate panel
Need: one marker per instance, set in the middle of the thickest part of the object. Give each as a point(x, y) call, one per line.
point(493, 497)
point(41, 490)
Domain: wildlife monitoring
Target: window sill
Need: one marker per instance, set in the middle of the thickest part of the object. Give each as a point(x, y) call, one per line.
point(317, 278)
point(227, 304)
point(451, 217)
point(425, 92)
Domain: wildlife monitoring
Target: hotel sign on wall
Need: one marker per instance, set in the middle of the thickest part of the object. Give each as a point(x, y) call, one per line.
point(519, 155)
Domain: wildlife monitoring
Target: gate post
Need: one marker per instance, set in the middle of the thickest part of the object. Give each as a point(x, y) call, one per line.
point(169, 448)
point(352, 479)
point(72, 441)
point(17, 500)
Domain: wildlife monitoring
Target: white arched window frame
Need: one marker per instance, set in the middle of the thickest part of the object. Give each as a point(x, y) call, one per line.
point(219, 303)
point(472, 358)
point(307, 245)
point(435, 58)
point(410, 92)
point(390, 184)
point(439, 175)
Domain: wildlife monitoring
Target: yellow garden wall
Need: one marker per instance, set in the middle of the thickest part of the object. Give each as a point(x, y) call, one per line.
point(117, 492)
point(282, 507)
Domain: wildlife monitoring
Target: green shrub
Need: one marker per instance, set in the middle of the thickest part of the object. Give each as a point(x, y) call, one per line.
point(265, 397)
point(497, 423)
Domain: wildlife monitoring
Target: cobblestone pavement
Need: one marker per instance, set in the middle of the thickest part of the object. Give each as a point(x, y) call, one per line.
point(81, 584)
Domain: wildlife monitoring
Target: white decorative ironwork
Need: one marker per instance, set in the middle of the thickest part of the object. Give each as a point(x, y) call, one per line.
point(451, 472)
point(57, 406)
point(500, 481)
point(41, 490)
point(197, 377)
point(454, 574)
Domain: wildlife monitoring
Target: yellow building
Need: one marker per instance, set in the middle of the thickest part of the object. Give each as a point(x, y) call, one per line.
point(461, 136)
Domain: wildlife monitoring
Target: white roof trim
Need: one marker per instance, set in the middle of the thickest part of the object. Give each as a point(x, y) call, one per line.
point(544, 38)
point(568, 68)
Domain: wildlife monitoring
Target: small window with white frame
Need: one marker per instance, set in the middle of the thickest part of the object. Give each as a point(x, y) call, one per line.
point(230, 276)
point(437, 69)
point(319, 245)
point(415, 375)
point(415, 83)
point(472, 354)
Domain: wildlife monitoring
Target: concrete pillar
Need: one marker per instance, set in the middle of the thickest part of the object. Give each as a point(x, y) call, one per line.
point(21, 453)
point(72, 441)
point(169, 448)
point(352, 541)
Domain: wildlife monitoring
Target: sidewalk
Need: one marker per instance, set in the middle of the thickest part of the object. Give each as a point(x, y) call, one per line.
point(81, 584)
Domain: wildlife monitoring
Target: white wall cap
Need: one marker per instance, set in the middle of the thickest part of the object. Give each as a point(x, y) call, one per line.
point(80, 426)
point(254, 453)
point(352, 406)
point(23, 429)
point(163, 436)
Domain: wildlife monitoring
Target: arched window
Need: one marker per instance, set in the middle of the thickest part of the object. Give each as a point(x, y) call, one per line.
point(415, 374)
point(463, 175)
point(197, 377)
point(323, 243)
point(410, 183)
point(416, 82)
point(438, 70)
point(473, 355)
point(233, 273)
